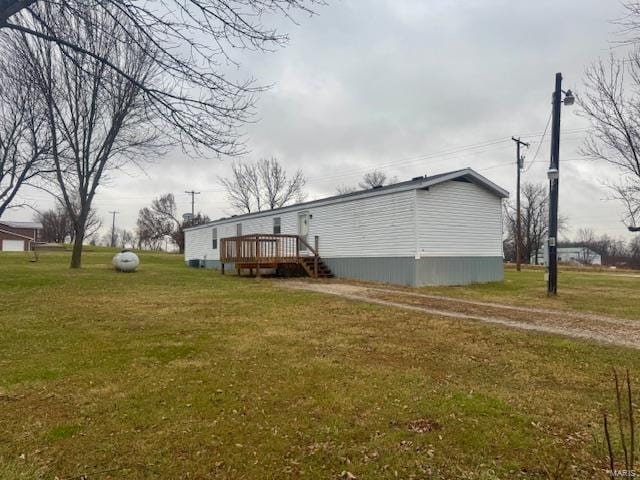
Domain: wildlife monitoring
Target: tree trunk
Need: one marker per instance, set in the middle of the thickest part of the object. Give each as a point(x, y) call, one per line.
point(76, 255)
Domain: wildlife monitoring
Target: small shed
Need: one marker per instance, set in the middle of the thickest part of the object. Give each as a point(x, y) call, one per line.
point(443, 229)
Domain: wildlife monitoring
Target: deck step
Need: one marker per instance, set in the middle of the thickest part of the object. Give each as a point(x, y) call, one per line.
point(323, 270)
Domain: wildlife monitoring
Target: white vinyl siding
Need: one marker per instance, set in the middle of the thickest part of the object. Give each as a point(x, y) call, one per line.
point(452, 218)
point(197, 244)
point(380, 226)
point(458, 219)
point(377, 226)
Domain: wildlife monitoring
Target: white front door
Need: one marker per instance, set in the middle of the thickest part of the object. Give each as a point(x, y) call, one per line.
point(303, 227)
point(13, 245)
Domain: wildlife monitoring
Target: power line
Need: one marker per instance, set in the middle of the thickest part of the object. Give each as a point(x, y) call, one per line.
point(539, 144)
point(495, 144)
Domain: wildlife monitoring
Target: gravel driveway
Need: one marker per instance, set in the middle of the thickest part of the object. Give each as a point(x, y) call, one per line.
point(611, 330)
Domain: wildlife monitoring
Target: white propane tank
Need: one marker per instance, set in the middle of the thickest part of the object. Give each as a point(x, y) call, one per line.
point(126, 261)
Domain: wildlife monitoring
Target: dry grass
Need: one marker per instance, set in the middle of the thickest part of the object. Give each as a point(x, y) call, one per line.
point(585, 290)
point(181, 373)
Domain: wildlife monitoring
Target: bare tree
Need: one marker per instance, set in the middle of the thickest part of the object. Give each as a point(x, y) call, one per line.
point(158, 221)
point(161, 220)
point(611, 102)
point(263, 185)
point(98, 120)
point(375, 179)
point(240, 187)
point(188, 41)
point(126, 239)
point(24, 140)
point(57, 225)
point(276, 187)
point(369, 180)
point(586, 241)
point(534, 208)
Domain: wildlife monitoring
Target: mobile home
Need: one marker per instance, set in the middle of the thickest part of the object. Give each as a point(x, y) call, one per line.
point(444, 229)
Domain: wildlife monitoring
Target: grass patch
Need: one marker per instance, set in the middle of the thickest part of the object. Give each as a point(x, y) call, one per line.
point(166, 354)
point(584, 290)
point(183, 373)
point(60, 432)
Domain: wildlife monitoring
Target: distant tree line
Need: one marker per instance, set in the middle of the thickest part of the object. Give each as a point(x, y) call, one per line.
point(534, 230)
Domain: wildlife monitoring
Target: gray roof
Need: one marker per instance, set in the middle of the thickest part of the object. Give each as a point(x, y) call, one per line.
point(29, 225)
point(413, 184)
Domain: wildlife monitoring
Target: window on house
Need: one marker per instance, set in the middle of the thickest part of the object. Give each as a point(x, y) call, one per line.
point(277, 229)
point(239, 229)
point(214, 238)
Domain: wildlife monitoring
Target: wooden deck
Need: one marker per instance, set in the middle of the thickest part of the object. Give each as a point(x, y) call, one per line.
point(259, 251)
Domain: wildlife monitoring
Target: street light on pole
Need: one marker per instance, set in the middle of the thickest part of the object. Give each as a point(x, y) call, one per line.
point(554, 177)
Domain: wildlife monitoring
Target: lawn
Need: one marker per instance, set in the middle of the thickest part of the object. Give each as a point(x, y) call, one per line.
point(586, 290)
point(173, 372)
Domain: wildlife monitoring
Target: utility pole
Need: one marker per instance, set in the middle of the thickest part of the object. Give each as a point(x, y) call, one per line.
point(554, 177)
point(554, 174)
point(113, 228)
point(519, 165)
point(193, 196)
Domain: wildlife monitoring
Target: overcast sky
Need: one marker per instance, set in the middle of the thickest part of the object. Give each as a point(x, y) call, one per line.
point(410, 87)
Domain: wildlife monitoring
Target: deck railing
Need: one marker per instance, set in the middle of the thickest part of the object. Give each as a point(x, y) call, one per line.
point(267, 249)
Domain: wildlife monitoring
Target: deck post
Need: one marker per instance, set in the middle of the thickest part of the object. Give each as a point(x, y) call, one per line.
point(258, 256)
point(222, 268)
point(316, 240)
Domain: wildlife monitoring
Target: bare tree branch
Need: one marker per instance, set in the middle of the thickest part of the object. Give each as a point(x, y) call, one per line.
point(375, 179)
point(611, 102)
point(24, 140)
point(263, 185)
point(189, 44)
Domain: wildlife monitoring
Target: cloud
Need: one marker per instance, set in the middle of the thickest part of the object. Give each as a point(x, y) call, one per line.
point(389, 83)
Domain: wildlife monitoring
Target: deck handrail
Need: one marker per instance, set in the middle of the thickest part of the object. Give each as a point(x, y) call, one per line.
point(264, 248)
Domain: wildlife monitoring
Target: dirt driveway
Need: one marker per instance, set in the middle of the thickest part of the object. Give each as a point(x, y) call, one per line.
point(605, 329)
